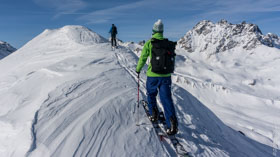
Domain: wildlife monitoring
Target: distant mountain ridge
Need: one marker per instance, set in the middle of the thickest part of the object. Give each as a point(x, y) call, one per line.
point(223, 36)
point(66, 93)
point(6, 49)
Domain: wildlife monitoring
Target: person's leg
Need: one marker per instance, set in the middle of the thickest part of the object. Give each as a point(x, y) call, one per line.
point(152, 90)
point(112, 39)
point(115, 44)
point(166, 100)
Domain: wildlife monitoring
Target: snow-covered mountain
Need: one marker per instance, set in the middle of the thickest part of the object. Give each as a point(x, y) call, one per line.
point(213, 38)
point(135, 47)
point(233, 70)
point(66, 93)
point(6, 49)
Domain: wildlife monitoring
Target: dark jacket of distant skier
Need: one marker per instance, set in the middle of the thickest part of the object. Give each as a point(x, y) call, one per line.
point(162, 60)
point(114, 33)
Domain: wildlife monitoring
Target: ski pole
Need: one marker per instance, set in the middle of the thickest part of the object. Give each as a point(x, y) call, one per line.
point(138, 101)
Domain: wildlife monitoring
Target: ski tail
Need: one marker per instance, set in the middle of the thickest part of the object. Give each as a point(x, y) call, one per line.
point(159, 127)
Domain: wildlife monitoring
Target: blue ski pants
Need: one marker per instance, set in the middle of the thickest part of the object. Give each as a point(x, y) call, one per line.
point(163, 85)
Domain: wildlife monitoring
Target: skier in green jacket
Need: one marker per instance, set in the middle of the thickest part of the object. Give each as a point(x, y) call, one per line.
point(158, 82)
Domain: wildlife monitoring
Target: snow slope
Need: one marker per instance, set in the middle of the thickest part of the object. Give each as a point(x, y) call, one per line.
point(65, 93)
point(233, 70)
point(62, 95)
point(134, 47)
point(5, 49)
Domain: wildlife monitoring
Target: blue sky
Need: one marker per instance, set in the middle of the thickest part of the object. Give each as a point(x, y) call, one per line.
point(22, 20)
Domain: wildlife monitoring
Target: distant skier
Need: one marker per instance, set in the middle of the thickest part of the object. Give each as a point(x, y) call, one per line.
point(114, 33)
point(162, 57)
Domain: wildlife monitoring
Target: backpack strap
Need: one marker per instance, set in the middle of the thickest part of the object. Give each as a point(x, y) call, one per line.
point(160, 43)
point(156, 40)
point(165, 43)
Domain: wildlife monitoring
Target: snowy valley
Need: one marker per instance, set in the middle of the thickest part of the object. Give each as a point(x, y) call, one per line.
point(66, 93)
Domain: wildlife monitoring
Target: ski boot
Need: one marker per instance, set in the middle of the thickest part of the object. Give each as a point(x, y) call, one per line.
point(154, 116)
point(161, 118)
point(174, 126)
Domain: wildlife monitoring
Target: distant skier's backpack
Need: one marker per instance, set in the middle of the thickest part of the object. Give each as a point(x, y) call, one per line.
point(114, 30)
point(163, 56)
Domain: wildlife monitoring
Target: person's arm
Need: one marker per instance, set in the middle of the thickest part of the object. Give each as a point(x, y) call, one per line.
point(110, 30)
point(144, 56)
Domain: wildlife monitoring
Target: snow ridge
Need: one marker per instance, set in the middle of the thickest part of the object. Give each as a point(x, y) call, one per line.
point(231, 69)
point(33, 132)
point(213, 38)
point(81, 101)
point(67, 35)
point(82, 35)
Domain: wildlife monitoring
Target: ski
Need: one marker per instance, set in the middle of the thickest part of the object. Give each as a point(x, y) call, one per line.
point(113, 48)
point(163, 136)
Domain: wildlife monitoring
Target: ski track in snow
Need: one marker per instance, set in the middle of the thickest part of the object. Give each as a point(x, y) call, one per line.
point(212, 146)
point(88, 107)
point(222, 84)
point(60, 122)
point(80, 106)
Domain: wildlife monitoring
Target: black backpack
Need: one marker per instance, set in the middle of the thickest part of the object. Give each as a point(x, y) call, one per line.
point(163, 56)
point(114, 30)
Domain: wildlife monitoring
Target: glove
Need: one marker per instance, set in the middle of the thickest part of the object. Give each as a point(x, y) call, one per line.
point(138, 73)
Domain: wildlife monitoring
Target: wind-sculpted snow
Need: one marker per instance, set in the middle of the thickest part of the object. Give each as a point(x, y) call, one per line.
point(59, 97)
point(78, 34)
point(201, 131)
point(240, 87)
point(91, 118)
point(207, 134)
point(238, 84)
point(66, 36)
point(69, 99)
point(82, 35)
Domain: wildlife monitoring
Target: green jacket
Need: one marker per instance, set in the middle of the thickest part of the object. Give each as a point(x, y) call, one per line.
point(147, 52)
